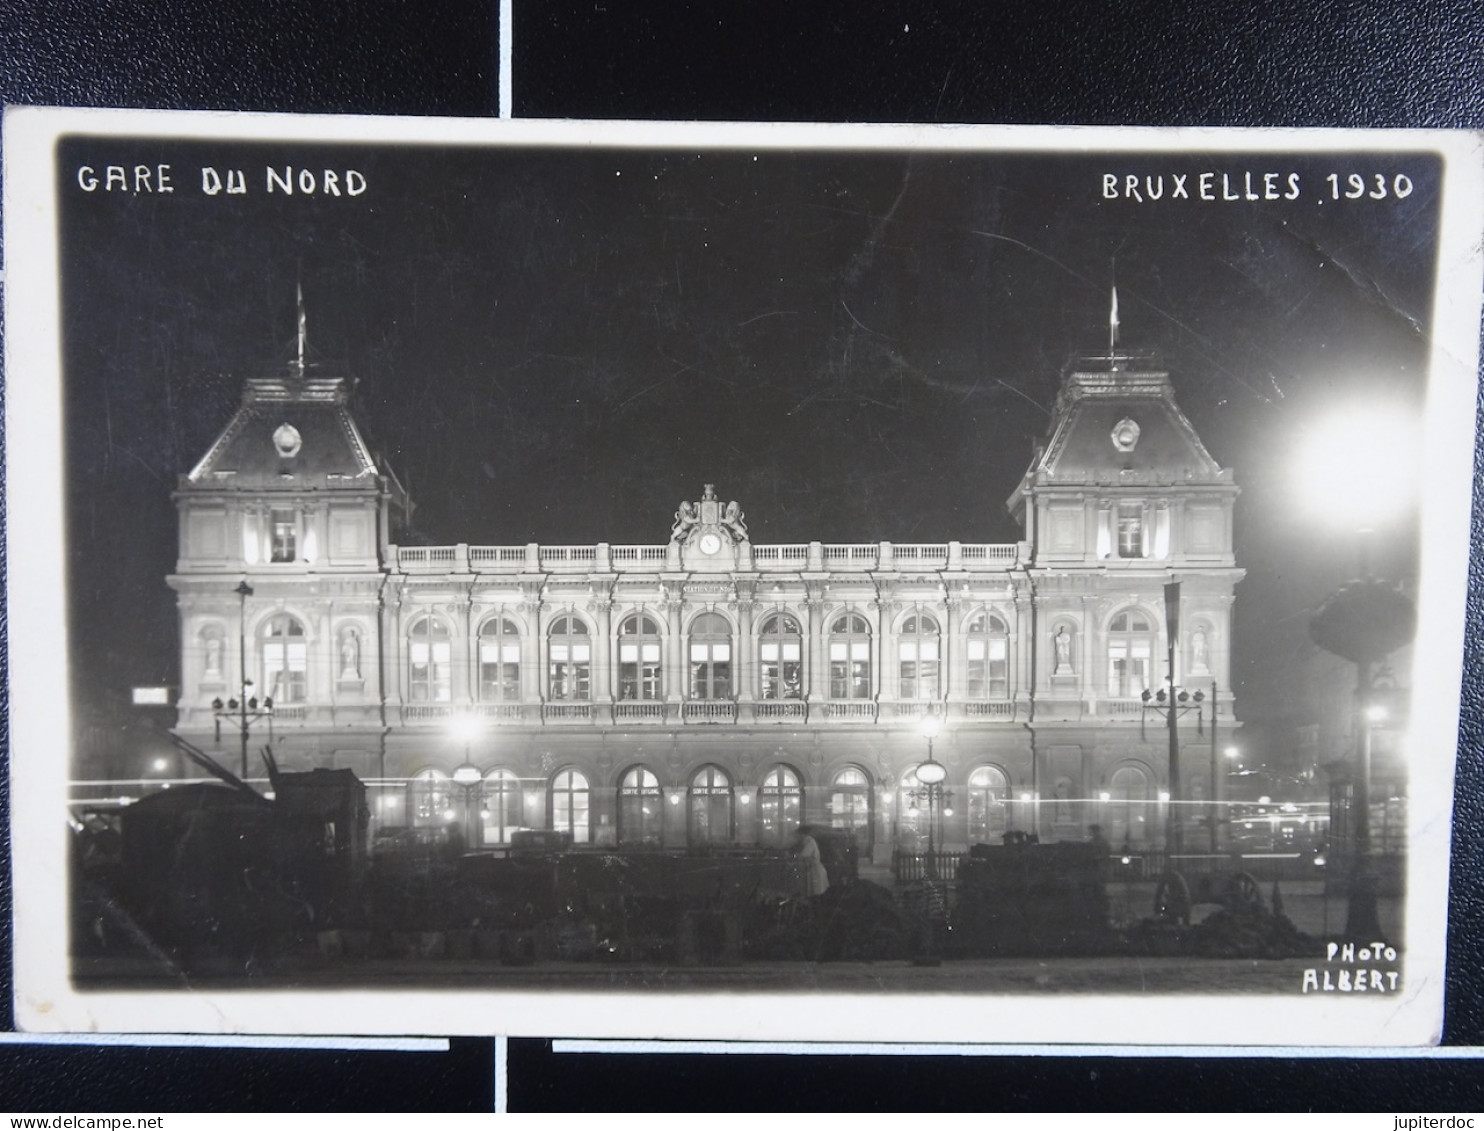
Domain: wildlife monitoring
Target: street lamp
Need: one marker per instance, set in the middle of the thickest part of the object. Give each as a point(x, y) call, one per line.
point(1171, 703)
point(467, 778)
point(1365, 620)
point(930, 776)
point(243, 710)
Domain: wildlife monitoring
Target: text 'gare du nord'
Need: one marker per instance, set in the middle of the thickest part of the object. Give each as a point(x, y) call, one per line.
point(709, 691)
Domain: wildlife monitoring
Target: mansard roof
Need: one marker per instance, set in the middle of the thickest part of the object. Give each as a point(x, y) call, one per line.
point(292, 433)
point(1117, 423)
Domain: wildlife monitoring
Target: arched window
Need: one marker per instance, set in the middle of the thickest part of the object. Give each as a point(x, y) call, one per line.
point(850, 805)
point(917, 654)
point(640, 808)
point(780, 805)
point(499, 661)
point(781, 650)
point(710, 807)
point(571, 660)
point(1131, 817)
point(710, 657)
point(500, 807)
point(988, 669)
point(850, 657)
point(428, 657)
point(639, 658)
point(285, 660)
point(570, 805)
point(989, 791)
point(430, 800)
point(1130, 648)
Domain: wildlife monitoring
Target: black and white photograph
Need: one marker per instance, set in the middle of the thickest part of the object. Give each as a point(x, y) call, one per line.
point(770, 582)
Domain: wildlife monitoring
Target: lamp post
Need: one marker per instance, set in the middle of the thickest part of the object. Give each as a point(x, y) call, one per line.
point(244, 710)
point(467, 778)
point(1171, 704)
point(1365, 620)
point(930, 775)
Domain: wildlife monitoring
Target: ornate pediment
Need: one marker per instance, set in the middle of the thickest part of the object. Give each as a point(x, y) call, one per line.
point(709, 531)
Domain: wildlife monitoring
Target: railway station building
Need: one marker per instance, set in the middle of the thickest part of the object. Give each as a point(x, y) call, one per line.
point(690, 688)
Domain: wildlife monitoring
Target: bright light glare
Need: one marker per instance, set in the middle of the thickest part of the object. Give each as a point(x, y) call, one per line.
point(1359, 467)
point(466, 727)
point(1376, 713)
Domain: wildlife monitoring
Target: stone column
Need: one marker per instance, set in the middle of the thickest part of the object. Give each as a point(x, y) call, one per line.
point(601, 607)
point(746, 655)
point(675, 669)
point(818, 671)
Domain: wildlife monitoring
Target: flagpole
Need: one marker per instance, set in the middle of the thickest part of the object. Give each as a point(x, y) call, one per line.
point(299, 293)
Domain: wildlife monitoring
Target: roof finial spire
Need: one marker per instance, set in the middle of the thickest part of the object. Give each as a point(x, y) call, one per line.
point(1113, 322)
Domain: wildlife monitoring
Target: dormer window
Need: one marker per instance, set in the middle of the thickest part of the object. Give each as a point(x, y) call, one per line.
point(1130, 530)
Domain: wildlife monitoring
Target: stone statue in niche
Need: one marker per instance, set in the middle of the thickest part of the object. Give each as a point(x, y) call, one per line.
point(1061, 800)
point(1062, 642)
point(350, 654)
point(1198, 663)
point(213, 657)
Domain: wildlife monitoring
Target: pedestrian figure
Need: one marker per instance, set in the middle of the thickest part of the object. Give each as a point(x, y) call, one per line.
point(806, 848)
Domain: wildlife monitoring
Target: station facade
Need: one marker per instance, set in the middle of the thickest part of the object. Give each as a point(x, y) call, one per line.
point(702, 690)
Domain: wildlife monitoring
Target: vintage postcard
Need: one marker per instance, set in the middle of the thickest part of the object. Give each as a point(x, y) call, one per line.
point(735, 581)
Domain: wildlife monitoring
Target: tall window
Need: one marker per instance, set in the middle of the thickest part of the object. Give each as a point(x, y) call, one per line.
point(430, 800)
point(780, 805)
point(850, 658)
point(1130, 530)
point(285, 536)
point(639, 658)
point(640, 808)
point(781, 651)
point(917, 654)
point(850, 805)
point(285, 660)
point(710, 807)
point(710, 657)
point(500, 807)
point(429, 655)
point(571, 665)
point(988, 669)
point(499, 661)
point(989, 791)
point(1131, 818)
point(570, 805)
point(1130, 647)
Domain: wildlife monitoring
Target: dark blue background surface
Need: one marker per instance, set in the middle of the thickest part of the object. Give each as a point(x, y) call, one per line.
point(1238, 64)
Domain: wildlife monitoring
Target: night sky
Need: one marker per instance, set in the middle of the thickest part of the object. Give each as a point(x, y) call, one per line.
point(558, 345)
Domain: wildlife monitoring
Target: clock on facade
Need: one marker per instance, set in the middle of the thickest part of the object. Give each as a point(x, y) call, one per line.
point(710, 543)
